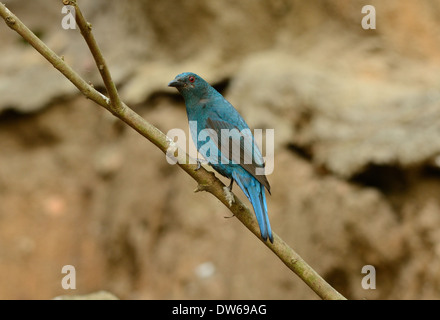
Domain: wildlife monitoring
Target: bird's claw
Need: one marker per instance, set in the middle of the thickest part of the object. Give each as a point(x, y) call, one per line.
point(199, 164)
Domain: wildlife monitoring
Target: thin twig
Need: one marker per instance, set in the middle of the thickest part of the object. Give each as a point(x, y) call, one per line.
point(86, 31)
point(204, 178)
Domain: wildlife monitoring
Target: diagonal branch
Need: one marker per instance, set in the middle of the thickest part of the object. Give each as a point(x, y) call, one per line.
point(206, 180)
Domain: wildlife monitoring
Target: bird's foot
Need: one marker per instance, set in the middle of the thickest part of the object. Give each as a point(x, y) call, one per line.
point(199, 164)
point(229, 195)
point(231, 184)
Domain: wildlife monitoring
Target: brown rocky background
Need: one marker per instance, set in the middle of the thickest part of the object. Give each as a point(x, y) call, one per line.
point(356, 115)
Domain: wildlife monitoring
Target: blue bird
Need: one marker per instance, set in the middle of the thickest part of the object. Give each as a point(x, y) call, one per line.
point(214, 118)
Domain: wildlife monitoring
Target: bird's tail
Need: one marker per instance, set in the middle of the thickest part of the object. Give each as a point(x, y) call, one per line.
point(254, 191)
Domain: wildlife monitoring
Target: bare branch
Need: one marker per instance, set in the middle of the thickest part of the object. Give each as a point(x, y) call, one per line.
point(86, 31)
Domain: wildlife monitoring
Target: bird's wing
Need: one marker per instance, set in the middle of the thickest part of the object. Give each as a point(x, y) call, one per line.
point(234, 139)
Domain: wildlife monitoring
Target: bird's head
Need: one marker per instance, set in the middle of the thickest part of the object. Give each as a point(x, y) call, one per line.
point(190, 85)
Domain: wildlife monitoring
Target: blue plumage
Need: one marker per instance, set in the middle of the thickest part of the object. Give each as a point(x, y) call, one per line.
point(219, 131)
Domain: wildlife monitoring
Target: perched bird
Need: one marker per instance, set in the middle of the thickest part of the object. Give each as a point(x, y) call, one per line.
point(216, 121)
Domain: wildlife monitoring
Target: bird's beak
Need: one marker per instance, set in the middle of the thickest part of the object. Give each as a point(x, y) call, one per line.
point(176, 83)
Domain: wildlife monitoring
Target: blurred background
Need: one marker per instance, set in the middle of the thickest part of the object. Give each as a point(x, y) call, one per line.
point(356, 182)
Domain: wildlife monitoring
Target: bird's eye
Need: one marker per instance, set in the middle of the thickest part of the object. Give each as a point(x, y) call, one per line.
point(191, 79)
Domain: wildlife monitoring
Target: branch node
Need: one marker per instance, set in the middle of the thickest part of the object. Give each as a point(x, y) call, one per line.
point(242, 207)
point(10, 21)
